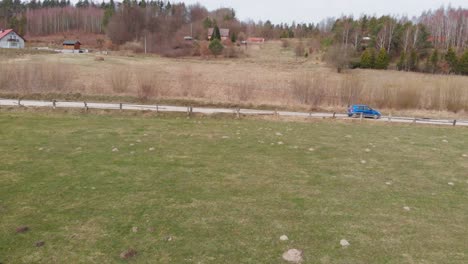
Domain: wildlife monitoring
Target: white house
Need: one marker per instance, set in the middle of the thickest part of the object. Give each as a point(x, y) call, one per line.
point(9, 39)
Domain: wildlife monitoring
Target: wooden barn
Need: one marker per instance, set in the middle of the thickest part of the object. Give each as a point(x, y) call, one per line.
point(71, 45)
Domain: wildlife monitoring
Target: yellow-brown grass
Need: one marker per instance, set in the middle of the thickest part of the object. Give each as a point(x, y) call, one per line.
point(270, 75)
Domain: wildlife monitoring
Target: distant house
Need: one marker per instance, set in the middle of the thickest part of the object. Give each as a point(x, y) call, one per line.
point(71, 45)
point(256, 40)
point(365, 41)
point(9, 39)
point(223, 31)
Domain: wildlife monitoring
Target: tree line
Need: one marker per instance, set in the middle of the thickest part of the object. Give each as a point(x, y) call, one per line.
point(423, 43)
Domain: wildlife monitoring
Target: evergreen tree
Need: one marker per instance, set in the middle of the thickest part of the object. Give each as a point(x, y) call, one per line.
point(401, 65)
point(366, 59)
point(382, 60)
point(434, 61)
point(463, 63)
point(372, 53)
point(216, 47)
point(108, 13)
point(412, 63)
point(207, 23)
point(216, 33)
point(451, 58)
point(233, 37)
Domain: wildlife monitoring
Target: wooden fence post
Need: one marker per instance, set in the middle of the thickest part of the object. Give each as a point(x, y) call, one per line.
point(157, 108)
point(189, 111)
point(334, 115)
point(361, 117)
point(19, 101)
point(414, 121)
point(86, 106)
point(54, 104)
point(238, 112)
point(120, 106)
point(390, 117)
point(454, 122)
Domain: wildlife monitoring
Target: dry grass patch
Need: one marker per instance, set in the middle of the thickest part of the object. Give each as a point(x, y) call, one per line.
point(269, 75)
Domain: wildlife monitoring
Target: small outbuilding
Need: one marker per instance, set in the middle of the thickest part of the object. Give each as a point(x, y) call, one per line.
point(256, 40)
point(9, 39)
point(71, 45)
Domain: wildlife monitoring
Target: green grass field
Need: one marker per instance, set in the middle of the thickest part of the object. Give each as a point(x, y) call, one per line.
point(220, 190)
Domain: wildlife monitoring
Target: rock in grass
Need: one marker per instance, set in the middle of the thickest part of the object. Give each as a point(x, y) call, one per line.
point(344, 243)
point(367, 150)
point(151, 149)
point(168, 238)
point(115, 149)
point(134, 229)
point(127, 254)
point(280, 143)
point(151, 229)
point(39, 243)
point(311, 149)
point(363, 162)
point(406, 208)
point(278, 134)
point(445, 141)
point(293, 255)
point(451, 184)
point(284, 238)
point(465, 155)
point(388, 183)
point(22, 229)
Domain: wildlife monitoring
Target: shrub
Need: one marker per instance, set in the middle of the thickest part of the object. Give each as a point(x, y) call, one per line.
point(451, 58)
point(120, 80)
point(463, 63)
point(133, 46)
point(216, 47)
point(368, 59)
point(299, 49)
point(382, 60)
point(339, 56)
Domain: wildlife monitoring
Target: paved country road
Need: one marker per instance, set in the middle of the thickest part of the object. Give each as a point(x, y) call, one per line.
point(208, 110)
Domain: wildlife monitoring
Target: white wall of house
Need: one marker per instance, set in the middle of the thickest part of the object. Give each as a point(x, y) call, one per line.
point(12, 41)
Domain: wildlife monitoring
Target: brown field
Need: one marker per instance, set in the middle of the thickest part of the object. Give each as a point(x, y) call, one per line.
point(262, 75)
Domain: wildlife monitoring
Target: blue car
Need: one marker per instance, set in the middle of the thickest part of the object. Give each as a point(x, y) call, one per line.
point(366, 111)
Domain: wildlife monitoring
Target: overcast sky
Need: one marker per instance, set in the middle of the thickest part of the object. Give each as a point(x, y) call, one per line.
point(314, 11)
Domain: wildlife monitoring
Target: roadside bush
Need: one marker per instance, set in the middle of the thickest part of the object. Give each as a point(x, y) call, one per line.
point(309, 89)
